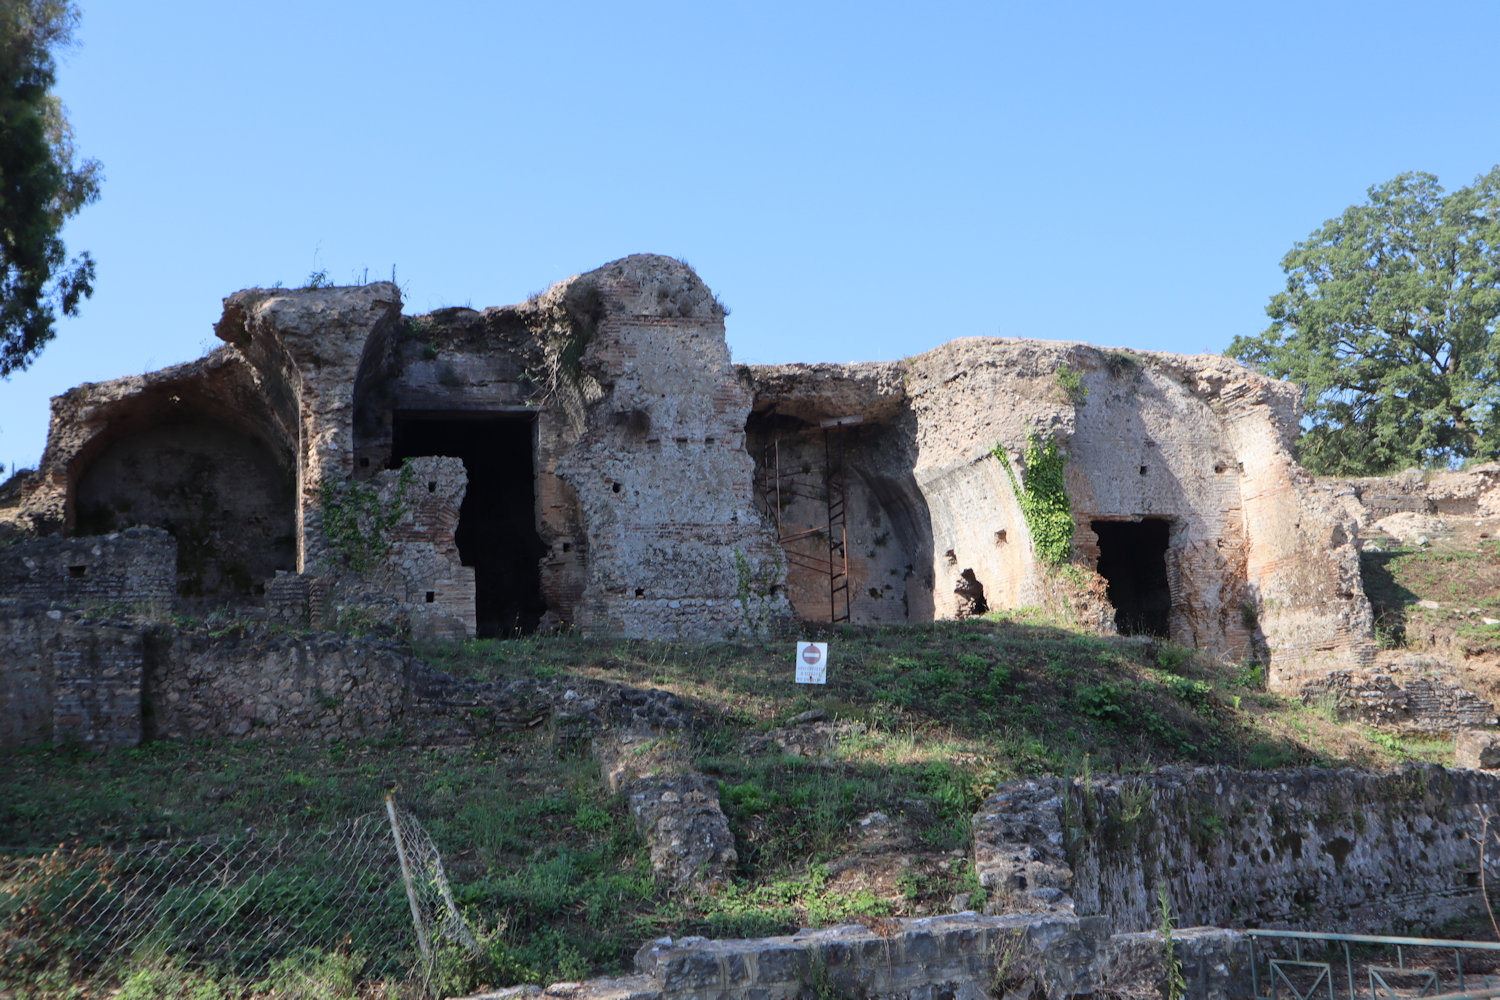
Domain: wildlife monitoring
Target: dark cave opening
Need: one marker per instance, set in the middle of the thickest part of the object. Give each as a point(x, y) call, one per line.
point(1133, 562)
point(497, 523)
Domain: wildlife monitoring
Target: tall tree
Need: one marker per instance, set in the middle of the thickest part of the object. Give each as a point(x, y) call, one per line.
point(42, 183)
point(1389, 324)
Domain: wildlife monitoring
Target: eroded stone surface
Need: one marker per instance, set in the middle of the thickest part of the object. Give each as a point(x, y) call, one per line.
point(662, 476)
point(1477, 748)
point(676, 809)
point(1313, 848)
point(1406, 692)
point(962, 956)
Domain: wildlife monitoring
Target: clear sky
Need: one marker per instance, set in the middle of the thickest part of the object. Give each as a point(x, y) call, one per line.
point(857, 181)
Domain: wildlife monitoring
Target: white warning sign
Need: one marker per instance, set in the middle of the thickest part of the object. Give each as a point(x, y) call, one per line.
point(812, 663)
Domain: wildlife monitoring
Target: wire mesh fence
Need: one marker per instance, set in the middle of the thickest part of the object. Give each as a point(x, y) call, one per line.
point(365, 901)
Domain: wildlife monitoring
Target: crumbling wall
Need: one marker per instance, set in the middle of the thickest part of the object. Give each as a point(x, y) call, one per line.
point(1146, 446)
point(66, 679)
point(307, 347)
point(133, 568)
point(1471, 492)
point(809, 420)
point(642, 481)
point(265, 685)
point(404, 557)
point(648, 520)
point(223, 496)
point(968, 396)
point(961, 956)
point(1331, 850)
point(659, 467)
point(1201, 444)
point(220, 388)
point(193, 449)
point(1408, 692)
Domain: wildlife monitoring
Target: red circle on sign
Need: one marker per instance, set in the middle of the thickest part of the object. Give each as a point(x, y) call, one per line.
point(811, 656)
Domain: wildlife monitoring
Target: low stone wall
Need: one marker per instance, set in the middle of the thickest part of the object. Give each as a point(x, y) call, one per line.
point(1324, 849)
point(273, 686)
point(135, 567)
point(112, 682)
point(1408, 692)
point(64, 678)
point(961, 956)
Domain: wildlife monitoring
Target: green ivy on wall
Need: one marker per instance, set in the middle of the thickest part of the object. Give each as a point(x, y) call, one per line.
point(356, 521)
point(1044, 499)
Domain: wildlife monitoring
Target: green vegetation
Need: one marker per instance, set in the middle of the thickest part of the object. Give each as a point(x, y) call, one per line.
point(1070, 381)
point(547, 862)
point(1463, 580)
point(1388, 323)
point(1174, 986)
point(1044, 498)
point(356, 521)
point(44, 185)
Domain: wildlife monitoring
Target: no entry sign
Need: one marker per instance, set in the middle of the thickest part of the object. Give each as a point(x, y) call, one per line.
point(812, 663)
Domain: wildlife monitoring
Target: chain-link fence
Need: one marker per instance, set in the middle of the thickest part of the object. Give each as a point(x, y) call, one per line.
point(288, 912)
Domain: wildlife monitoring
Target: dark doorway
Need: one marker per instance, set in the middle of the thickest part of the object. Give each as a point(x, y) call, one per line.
point(1133, 561)
point(497, 523)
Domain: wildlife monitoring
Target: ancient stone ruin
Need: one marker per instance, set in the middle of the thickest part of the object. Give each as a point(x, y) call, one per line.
point(592, 459)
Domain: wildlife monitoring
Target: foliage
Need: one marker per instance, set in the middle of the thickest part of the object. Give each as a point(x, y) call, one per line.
point(1044, 498)
point(926, 721)
point(42, 183)
point(1070, 381)
point(1389, 324)
point(1121, 364)
point(356, 521)
point(1174, 986)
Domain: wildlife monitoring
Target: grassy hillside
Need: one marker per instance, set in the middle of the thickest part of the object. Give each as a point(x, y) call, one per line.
point(927, 720)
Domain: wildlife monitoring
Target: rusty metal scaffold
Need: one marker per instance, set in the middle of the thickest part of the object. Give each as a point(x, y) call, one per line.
point(828, 484)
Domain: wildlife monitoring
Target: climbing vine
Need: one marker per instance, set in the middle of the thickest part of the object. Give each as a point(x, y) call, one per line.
point(1044, 499)
point(356, 520)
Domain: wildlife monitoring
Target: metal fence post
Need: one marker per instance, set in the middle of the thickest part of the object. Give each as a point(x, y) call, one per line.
point(411, 892)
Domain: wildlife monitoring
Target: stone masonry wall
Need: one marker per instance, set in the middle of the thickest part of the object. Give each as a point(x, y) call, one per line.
point(1334, 850)
point(136, 567)
point(660, 471)
point(307, 348)
point(273, 686)
point(67, 679)
point(1259, 563)
point(960, 956)
point(222, 494)
point(419, 575)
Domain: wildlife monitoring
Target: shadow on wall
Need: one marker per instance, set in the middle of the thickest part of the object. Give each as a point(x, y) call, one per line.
point(844, 495)
point(223, 495)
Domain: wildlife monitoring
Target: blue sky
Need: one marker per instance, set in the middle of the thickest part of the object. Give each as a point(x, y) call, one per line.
point(857, 181)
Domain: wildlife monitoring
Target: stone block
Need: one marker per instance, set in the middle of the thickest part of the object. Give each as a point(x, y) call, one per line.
point(1477, 748)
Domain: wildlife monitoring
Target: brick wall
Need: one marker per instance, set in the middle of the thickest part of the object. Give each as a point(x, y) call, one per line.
point(64, 678)
point(136, 567)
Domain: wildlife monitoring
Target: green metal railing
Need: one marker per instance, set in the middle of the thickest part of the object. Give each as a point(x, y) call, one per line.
point(1302, 977)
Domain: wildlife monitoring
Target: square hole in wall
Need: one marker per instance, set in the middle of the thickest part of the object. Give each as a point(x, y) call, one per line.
point(77, 571)
point(432, 597)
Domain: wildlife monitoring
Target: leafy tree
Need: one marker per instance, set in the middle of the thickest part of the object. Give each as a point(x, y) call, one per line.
point(1388, 323)
point(42, 183)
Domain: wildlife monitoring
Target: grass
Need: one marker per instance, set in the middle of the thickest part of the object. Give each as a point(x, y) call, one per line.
point(929, 720)
point(1465, 581)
